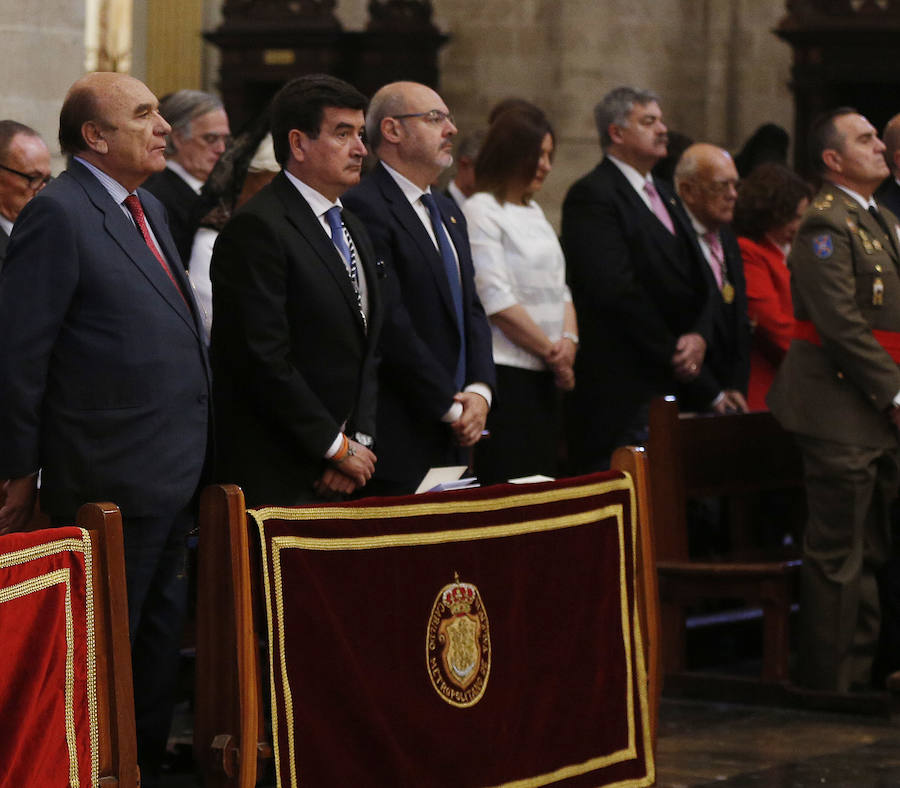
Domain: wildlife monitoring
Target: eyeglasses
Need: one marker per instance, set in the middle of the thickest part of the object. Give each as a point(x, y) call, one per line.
point(211, 138)
point(434, 116)
point(720, 187)
point(35, 182)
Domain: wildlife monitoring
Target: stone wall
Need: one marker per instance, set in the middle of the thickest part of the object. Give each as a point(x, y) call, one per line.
point(718, 68)
point(43, 53)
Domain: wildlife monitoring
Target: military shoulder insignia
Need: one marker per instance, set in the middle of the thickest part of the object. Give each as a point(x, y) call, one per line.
point(824, 202)
point(823, 246)
point(458, 644)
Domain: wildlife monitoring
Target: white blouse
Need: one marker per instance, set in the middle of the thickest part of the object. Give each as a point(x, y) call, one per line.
point(518, 260)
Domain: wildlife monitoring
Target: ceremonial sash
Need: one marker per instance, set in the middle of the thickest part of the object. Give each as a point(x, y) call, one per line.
point(889, 340)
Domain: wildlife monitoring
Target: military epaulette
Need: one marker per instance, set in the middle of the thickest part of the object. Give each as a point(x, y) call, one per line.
point(824, 202)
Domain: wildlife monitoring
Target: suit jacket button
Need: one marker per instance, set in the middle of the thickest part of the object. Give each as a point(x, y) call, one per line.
point(840, 375)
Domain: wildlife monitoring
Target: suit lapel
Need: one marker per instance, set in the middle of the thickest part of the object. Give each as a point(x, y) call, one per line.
point(301, 217)
point(407, 218)
point(129, 239)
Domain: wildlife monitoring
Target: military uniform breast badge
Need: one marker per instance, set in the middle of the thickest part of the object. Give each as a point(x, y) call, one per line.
point(458, 644)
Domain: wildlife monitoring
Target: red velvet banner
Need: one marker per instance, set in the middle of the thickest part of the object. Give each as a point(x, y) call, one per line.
point(479, 637)
point(48, 720)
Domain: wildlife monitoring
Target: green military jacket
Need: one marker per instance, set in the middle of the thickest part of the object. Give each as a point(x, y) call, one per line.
point(845, 282)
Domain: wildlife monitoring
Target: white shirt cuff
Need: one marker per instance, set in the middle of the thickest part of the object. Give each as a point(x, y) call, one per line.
point(335, 446)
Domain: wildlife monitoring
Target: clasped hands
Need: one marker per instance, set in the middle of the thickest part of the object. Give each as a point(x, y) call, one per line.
point(347, 475)
point(560, 359)
point(687, 361)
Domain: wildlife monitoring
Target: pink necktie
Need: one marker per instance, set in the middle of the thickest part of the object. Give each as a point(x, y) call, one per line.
point(718, 255)
point(133, 204)
point(659, 207)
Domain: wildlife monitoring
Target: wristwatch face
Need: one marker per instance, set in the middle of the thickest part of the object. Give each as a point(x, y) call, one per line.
point(363, 440)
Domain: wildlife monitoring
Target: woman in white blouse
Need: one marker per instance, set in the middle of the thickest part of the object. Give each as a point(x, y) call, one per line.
point(521, 280)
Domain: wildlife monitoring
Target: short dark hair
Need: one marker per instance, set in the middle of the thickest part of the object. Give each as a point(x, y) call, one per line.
point(823, 135)
point(9, 129)
point(80, 106)
point(300, 105)
point(768, 199)
point(511, 150)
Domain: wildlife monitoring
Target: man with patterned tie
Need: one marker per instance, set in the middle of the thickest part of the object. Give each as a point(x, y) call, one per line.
point(838, 391)
point(437, 370)
point(706, 181)
point(298, 312)
point(642, 296)
point(104, 379)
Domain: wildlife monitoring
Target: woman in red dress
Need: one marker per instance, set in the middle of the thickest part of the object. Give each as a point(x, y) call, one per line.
point(770, 205)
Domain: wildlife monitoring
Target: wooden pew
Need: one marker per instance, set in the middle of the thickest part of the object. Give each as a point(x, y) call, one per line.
point(99, 703)
point(231, 745)
point(231, 739)
point(633, 460)
point(115, 695)
point(736, 457)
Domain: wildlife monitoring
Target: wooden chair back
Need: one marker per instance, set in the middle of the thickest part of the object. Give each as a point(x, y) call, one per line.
point(230, 740)
point(633, 461)
point(115, 695)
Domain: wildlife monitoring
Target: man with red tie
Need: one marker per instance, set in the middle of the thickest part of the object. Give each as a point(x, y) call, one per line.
point(104, 379)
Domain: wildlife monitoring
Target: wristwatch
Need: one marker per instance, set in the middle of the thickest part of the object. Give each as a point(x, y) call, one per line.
point(364, 440)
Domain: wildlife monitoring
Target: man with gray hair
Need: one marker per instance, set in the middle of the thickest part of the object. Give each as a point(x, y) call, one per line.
point(641, 294)
point(463, 184)
point(198, 138)
point(24, 171)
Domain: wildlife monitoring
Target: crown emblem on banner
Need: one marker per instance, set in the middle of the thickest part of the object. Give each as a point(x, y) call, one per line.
point(458, 644)
point(460, 597)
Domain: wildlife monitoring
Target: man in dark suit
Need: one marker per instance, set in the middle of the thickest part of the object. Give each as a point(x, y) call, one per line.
point(298, 311)
point(437, 371)
point(104, 380)
point(888, 192)
point(642, 296)
point(199, 135)
point(24, 171)
point(706, 180)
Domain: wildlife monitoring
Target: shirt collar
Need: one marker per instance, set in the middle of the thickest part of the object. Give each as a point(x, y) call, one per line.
point(116, 190)
point(698, 226)
point(858, 197)
point(319, 203)
point(632, 175)
point(412, 192)
point(182, 173)
point(6, 224)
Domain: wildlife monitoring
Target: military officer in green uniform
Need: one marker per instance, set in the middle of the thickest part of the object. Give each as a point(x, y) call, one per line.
point(838, 391)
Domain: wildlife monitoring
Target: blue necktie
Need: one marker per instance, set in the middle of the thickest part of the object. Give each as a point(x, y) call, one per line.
point(452, 272)
point(333, 217)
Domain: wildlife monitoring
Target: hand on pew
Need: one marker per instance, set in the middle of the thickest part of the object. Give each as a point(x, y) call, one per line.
point(688, 359)
point(732, 402)
point(18, 503)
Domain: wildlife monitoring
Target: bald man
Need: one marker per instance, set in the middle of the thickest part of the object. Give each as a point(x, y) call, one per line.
point(888, 192)
point(706, 181)
point(24, 171)
point(437, 377)
point(104, 380)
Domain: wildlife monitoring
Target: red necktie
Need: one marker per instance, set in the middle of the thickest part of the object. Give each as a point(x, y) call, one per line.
point(133, 204)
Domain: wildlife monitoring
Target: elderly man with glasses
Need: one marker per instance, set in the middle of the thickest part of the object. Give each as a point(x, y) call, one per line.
point(707, 182)
point(199, 135)
point(436, 378)
point(24, 171)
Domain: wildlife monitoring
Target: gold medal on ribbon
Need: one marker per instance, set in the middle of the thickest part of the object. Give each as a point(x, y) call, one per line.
point(877, 292)
point(727, 292)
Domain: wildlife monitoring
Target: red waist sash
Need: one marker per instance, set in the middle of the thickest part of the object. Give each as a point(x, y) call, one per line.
point(889, 340)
